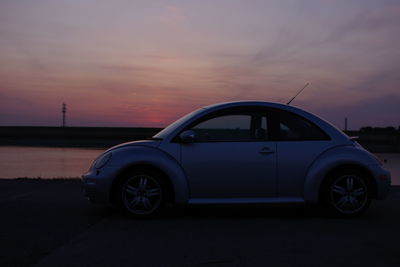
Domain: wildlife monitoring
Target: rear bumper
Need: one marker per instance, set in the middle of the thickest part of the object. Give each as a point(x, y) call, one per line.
point(383, 181)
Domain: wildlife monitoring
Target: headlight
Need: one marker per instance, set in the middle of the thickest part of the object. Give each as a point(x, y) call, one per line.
point(102, 160)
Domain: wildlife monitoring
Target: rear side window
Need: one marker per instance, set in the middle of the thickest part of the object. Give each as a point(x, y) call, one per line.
point(292, 127)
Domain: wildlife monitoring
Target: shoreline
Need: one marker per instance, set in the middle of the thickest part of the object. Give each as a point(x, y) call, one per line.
point(78, 179)
point(41, 179)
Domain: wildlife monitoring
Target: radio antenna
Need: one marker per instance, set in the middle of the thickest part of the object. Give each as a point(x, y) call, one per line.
point(288, 103)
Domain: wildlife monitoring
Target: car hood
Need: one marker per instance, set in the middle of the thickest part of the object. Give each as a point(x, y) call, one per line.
point(149, 143)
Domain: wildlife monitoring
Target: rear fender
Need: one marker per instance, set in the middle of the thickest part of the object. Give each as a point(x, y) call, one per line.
point(329, 160)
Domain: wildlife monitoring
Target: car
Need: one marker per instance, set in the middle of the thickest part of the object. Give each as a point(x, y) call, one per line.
point(240, 152)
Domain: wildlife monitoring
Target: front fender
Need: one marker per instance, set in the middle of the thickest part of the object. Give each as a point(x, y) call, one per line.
point(329, 160)
point(127, 157)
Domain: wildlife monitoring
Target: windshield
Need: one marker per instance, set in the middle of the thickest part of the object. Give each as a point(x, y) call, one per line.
point(173, 126)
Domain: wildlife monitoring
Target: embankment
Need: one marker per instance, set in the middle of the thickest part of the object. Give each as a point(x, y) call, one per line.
point(376, 142)
point(72, 136)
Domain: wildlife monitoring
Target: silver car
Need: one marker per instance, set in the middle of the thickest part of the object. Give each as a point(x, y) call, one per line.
point(239, 152)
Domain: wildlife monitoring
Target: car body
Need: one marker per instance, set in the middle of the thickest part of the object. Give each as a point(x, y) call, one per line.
point(239, 152)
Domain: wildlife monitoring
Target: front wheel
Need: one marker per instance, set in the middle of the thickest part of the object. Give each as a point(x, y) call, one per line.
point(347, 193)
point(142, 194)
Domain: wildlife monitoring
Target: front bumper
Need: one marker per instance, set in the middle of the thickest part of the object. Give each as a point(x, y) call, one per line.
point(96, 185)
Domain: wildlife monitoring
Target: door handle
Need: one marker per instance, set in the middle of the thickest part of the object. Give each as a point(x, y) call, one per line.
point(266, 150)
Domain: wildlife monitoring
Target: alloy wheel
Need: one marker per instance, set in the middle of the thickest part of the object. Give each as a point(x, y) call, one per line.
point(142, 194)
point(349, 194)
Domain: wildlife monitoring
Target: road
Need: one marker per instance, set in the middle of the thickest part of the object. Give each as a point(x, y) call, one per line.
point(50, 223)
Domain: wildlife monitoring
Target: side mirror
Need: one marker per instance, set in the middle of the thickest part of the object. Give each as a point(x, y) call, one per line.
point(188, 136)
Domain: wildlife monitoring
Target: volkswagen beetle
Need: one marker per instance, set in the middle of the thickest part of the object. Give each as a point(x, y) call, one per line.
point(239, 152)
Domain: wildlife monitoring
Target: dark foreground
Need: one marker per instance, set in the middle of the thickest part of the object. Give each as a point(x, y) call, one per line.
point(49, 223)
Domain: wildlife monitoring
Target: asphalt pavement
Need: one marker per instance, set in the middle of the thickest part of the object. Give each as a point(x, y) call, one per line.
point(50, 223)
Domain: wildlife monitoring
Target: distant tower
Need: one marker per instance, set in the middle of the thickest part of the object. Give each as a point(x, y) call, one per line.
point(345, 123)
point(64, 111)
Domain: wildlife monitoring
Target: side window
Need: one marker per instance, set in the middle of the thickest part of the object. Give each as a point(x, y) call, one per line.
point(224, 128)
point(294, 127)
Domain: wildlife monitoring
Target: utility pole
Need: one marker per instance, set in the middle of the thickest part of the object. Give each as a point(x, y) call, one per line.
point(64, 111)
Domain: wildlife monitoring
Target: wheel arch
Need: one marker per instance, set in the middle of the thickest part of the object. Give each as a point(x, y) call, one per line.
point(337, 159)
point(350, 166)
point(145, 158)
point(141, 167)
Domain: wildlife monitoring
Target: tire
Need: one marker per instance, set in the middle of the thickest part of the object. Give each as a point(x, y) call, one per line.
point(142, 194)
point(347, 193)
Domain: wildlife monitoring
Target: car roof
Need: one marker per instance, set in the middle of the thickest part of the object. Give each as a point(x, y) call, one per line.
point(243, 103)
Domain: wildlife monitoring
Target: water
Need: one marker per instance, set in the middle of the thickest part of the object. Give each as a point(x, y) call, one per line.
point(50, 162)
point(45, 162)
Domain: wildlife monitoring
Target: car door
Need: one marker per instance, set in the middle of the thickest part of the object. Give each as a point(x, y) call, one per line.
point(299, 142)
point(231, 156)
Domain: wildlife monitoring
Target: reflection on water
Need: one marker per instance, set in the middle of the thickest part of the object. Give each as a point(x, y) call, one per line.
point(45, 162)
point(51, 162)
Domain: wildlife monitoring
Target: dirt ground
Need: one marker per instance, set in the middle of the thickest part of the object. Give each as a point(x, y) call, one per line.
point(50, 223)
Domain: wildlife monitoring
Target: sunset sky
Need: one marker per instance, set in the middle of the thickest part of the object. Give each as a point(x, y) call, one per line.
point(146, 63)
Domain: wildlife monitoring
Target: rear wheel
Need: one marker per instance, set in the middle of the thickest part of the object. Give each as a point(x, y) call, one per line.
point(142, 194)
point(347, 193)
